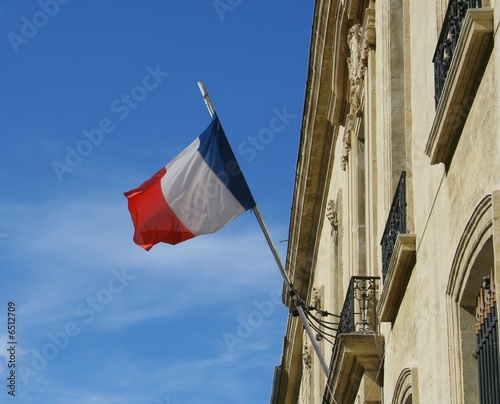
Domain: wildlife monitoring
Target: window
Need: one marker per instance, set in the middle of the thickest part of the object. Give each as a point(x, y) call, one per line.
point(448, 40)
point(486, 343)
point(460, 60)
point(472, 265)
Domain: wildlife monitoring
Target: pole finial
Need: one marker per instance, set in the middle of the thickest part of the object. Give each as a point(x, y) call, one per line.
point(206, 98)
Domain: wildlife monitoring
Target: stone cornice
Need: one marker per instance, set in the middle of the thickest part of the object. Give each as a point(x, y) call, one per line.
point(309, 197)
point(315, 151)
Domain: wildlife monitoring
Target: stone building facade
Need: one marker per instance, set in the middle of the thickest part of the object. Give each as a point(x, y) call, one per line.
point(394, 241)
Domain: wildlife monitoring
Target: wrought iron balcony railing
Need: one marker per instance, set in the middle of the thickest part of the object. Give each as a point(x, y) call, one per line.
point(448, 39)
point(358, 313)
point(396, 223)
point(355, 349)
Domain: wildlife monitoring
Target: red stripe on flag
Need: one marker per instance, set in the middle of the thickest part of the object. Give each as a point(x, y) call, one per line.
point(154, 220)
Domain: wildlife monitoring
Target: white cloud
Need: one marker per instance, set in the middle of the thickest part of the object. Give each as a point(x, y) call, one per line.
point(69, 250)
point(77, 244)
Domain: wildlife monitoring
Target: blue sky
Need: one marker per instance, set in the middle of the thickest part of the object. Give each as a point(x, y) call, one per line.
point(97, 97)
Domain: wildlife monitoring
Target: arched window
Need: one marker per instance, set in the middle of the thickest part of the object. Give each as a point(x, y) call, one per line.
point(406, 390)
point(409, 399)
point(473, 265)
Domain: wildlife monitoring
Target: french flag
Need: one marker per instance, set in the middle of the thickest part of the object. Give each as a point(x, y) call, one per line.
point(198, 192)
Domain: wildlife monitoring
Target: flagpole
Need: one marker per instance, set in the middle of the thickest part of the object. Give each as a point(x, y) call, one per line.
point(295, 298)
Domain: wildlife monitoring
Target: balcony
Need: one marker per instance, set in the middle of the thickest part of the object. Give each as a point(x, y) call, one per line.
point(448, 39)
point(358, 349)
point(396, 224)
point(398, 255)
point(461, 54)
point(357, 315)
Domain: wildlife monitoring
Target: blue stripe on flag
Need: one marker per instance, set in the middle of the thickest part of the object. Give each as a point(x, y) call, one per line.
point(217, 153)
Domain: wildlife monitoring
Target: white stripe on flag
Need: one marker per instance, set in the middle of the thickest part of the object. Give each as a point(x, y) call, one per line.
point(196, 195)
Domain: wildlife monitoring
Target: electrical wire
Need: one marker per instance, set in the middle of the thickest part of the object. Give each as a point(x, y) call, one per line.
point(322, 332)
point(326, 324)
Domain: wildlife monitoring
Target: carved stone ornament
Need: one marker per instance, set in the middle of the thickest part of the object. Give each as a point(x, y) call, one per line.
point(332, 215)
point(369, 28)
point(315, 298)
point(306, 356)
point(356, 64)
point(346, 140)
point(361, 41)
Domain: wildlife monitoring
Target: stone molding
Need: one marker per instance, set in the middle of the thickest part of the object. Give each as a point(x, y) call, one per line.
point(339, 71)
point(398, 275)
point(406, 384)
point(477, 230)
